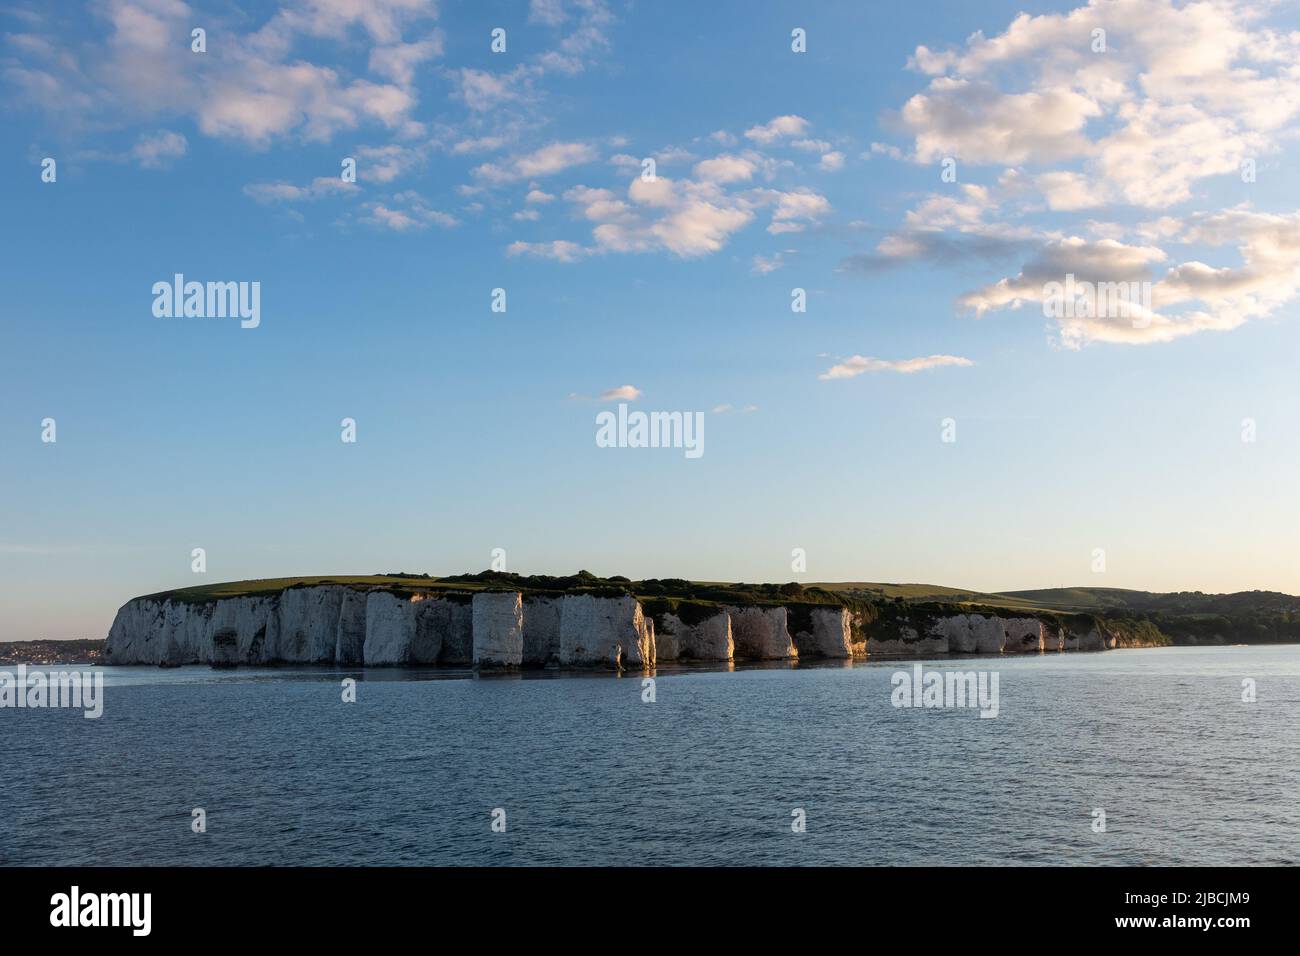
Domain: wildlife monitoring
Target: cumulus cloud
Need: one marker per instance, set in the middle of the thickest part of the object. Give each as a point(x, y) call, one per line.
point(1106, 260)
point(398, 61)
point(976, 122)
point(406, 212)
point(481, 90)
point(546, 161)
point(1189, 297)
point(832, 161)
point(623, 393)
point(858, 364)
point(685, 217)
point(781, 127)
point(793, 211)
point(256, 87)
point(724, 169)
point(1069, 191)
point(383, 164)
point(1181, 93)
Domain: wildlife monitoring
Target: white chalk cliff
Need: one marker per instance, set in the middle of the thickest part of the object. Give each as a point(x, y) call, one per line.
point(707, 640)
point(498, 629)
point(605, 631)
point(761, 633)
point(344, 625)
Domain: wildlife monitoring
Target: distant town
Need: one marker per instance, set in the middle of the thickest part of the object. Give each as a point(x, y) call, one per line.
point(51, 652)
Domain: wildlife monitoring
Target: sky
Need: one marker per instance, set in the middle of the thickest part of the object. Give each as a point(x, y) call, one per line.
point(920, 175)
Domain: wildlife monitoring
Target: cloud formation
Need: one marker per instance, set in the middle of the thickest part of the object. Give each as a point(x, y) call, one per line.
point(1115, 105)
point(859, 364)
point(623, 393)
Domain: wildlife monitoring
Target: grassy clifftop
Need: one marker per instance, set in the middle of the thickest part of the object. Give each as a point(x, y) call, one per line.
point(1187, 617)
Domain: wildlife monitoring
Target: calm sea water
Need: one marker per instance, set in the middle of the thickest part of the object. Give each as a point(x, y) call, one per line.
point(707, 774)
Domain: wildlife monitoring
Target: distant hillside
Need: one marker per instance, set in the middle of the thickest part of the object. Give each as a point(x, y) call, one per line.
point(1189, 617)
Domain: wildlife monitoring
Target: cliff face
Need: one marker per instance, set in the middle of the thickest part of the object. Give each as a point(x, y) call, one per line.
point(497, 626)
point(709, 639)
point(338, 624)
point(830, 634)
point(761, 633)
point(542, 630)
point(610, 632)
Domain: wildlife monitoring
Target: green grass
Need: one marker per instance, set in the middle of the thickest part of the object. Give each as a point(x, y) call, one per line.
point(203, 593)
point(1248, 616)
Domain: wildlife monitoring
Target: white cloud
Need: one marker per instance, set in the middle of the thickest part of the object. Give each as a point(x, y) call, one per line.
point(1190, 297)
point(674, 156)
point(858, 364)
point(398, 61)
point(1105, 260)
point(157, 150)
point(408, 212)
point(724, 169)
point(478, 144)
point(1069, 191)
point(253, 86)
point(1183, 92)
point(978, 123)
point(549, 12)
point(481, 90)
point(778, 128)
point(791, 207)
point(832, 162)
point(698, 227)
point(560, 250)
point(587, 38)
point(547, 161)
point(383, 164)
point(624, 393)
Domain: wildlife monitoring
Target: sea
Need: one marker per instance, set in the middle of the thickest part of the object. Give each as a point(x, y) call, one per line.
point(1165, 756)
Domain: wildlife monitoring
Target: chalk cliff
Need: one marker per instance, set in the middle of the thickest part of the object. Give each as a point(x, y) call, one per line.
point(761, 633)
point(827, 632)
point(497, 628)
point(707, 639)
point(343, 624)
point(605, 631)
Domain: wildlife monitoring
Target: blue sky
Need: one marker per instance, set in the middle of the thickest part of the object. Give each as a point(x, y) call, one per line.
point(522, 170)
